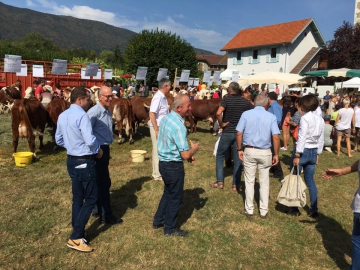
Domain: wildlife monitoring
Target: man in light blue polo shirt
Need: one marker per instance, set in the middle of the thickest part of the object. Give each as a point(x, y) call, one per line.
point(172, 150)
point(256, 129)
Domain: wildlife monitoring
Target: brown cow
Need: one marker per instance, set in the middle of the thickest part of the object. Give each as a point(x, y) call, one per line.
point(203, 110)
point(28, 121)
point(53, 110)
point(5, 102)
point(12, 92)
point(121, 111)
point(141, 108)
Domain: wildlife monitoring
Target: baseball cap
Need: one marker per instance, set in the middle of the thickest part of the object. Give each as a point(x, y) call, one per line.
point(114, 92)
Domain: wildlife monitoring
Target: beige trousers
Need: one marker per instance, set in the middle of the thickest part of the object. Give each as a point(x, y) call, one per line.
point(260, 159)
point(155, 159)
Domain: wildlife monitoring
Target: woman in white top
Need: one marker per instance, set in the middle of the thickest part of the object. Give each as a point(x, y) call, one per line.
point(342, 124)
point(308, 147)
point(357, 124)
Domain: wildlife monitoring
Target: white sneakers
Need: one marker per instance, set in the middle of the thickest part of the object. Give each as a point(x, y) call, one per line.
point(283, 148)
point(328, 149)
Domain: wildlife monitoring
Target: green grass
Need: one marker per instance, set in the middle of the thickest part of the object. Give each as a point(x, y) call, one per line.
point(35, 210)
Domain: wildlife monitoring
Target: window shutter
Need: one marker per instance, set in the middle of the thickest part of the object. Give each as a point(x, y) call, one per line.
point(268, 55)
point(259, 55)
point(277, 54)
point(250, 59)
point(234, 60)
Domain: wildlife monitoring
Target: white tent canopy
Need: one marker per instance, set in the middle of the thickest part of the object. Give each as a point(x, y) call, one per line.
point(227, 74)
point(352, 83)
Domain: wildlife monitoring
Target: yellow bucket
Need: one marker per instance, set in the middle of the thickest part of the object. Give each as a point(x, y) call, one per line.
point(23, 159)
point(138, 155)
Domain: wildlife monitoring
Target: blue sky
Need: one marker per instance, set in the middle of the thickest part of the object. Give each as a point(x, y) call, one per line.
point(205, 24)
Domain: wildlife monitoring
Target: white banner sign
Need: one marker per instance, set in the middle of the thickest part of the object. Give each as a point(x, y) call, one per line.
point(91, 69)
point(207, 75)
point(162, 73)
point(38, 71)
point(191, 81)
point(23, 71)
point(196, 81)
point(59, 67)
point(98, 75)
point(83, 70)
point(12, 63)
point(141, 73)
point(108, 74)
point(185, 74)
point(216, 76)
point(235, 76)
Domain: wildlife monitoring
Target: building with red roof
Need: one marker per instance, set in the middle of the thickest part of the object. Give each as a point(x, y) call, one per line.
point(290, 47)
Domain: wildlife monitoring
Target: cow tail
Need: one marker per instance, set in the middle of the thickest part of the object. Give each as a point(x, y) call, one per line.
point(130, 120)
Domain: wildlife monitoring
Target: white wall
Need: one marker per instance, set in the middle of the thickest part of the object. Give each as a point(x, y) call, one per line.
point(301, 47)
point(247, 68)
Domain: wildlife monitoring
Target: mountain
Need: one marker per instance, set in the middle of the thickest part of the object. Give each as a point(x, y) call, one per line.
point(65, 31)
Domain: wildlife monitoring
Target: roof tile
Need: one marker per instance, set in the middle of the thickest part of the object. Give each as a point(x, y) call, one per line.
point(265, 35)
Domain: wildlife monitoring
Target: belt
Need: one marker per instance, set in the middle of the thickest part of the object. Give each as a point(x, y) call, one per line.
point(82, 157)
point(249, 146)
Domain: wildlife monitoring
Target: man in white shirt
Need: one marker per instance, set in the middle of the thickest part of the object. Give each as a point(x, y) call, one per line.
point(158, 109)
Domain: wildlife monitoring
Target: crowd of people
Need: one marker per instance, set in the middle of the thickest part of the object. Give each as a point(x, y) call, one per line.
point(250, 122)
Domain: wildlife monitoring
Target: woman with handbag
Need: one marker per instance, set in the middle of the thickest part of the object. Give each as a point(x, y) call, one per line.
point(309, 145)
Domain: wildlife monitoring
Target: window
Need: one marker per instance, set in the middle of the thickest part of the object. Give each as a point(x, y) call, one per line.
point(273, 52)
point(272, 55)
point(238, 56)
point(255, 54)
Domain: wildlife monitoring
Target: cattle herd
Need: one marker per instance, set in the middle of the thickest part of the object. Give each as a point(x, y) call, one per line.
point(29, 117)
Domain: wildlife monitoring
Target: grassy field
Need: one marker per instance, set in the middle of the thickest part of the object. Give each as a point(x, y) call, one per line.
point(35, 210)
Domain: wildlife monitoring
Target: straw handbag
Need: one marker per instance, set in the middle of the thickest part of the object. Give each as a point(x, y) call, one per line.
point(292, 192)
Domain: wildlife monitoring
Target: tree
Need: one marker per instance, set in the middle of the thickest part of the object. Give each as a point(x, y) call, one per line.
point(159, 49)
point(344, 50)
point(118, 60)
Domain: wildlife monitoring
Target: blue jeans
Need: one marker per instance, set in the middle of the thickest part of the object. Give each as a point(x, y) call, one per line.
point(103, 207)
point(226, 140)
point(355, 237)
point(84, 189)
point(173, 175)
point(308, 163)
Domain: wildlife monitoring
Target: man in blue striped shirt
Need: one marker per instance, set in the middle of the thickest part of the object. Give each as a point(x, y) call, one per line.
point(74, 133)
point(101, 123)
point(172, 150)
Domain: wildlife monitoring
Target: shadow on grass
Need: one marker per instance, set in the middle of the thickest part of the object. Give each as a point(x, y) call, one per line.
point(336, 240)
point(121, 200)
point(191, 201)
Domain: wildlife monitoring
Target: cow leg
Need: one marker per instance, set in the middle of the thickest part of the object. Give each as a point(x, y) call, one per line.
point(15, 139)
point(195, 123)
point(131, 141)
point(119, 125)
point(41, 147)
point(31, 142)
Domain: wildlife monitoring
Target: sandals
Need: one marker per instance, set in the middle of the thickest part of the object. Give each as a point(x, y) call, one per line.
point(219, 185)
point(234, 188)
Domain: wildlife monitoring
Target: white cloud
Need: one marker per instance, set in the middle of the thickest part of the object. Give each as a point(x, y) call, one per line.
point(179, 16)
point(201, 38)
point(29, 3)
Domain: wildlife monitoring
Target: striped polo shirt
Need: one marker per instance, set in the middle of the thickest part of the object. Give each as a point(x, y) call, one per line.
point(234, 106)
